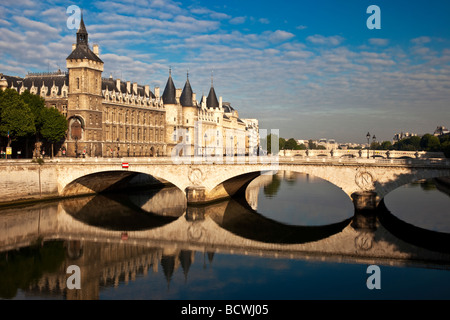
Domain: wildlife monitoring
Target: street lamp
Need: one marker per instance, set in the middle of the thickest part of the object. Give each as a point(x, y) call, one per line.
point(374, 140)
point(368, 145)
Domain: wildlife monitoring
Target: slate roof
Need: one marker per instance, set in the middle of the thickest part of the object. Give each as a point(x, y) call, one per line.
point(227, 107)
point(211, 100)
point(169, 95)
point(186, 95)
point(82, 50)
point(110, 84)
point(84, 53)
point(48, 81)
point(37, 80)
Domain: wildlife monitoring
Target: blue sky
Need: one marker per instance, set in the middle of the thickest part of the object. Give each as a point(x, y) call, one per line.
point(311, 69)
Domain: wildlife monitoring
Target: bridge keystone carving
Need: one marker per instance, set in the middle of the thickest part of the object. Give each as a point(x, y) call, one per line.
point(195, 176)
point(364, 180)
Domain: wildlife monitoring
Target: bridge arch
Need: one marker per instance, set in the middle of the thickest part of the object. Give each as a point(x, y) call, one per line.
point(383, 189)
point(229, 183)
point(94, 181)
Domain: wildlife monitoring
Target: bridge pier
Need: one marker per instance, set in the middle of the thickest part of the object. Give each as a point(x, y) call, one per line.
point(365, 217)
point(196, 194)
point(365, 200)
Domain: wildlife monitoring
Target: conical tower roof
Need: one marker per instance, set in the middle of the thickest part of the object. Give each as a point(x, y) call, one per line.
point(187, 94)
point(169, 95)
point(211, 100)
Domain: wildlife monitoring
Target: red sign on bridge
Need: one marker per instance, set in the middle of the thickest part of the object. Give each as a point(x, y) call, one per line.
point(125, 165)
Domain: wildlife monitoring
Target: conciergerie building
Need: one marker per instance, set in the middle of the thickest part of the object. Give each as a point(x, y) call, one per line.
point(109, 117)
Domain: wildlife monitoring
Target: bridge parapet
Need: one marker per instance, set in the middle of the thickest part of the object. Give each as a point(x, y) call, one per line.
point(203, 182)
point(363, 153)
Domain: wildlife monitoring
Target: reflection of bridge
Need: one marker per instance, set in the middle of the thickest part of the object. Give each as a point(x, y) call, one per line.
point(366, 181)
point(110, 255)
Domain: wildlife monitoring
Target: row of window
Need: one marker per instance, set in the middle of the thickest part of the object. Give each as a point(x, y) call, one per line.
point(115, 133)
point(133, 117)
point(125, 98)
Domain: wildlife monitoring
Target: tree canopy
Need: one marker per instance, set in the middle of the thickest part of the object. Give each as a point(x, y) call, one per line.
point(16, 118)
point(24, 116)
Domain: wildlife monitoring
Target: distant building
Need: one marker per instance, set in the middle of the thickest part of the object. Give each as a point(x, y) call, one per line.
point(402, 135)
point(441, 130)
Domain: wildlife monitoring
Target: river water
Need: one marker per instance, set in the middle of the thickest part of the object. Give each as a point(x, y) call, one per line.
point(291, 237)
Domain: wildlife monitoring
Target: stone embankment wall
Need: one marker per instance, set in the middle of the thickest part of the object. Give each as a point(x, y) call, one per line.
point(24, 180)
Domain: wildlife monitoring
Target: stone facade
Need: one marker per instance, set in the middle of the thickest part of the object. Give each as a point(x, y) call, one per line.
point(113, 118)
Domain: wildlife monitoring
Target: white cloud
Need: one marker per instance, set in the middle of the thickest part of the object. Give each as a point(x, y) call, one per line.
point(279, 36)
point(238, 20)
point(421, 40)
point(379, 41)
point(319, 39)
point(35, 25)
point(212, 14)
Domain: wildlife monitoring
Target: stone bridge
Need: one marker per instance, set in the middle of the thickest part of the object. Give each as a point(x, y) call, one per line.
point(365, 181)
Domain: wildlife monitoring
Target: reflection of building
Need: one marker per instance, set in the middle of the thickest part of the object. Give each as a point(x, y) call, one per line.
point(110, 117)
point(252, 191)
point(103, 264)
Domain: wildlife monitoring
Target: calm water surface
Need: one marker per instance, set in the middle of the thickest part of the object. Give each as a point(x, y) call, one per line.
point(292, 237)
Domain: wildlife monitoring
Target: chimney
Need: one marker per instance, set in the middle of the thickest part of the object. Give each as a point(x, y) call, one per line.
point(118, 84)
point(204, 102)
point(157, 92)
point(147, 90)
point(74, 46)
point(220, 102)
point(128, 86)
point(135, 88)
point(95, 47)
point(194, 98)
point(178, 94)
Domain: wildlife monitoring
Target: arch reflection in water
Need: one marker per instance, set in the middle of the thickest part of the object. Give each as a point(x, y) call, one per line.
point(301, 199)
point(126, 212)
point(424, 204)
point(185, 248)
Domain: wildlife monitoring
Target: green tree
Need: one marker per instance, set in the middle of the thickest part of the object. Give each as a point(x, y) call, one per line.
point(430, 143)
point(37, 105)
point(291, 144)
point(375, 146)
point(409, 144)
point(54, 126)
point(16, 118)
point(272, 188)
point(268, 141)
point(386, 145)
point(281, 143)
point(446, 148)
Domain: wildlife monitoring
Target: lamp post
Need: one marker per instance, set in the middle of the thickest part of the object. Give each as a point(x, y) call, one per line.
point(118, 148)
point(368, 145)
point(374, 140)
